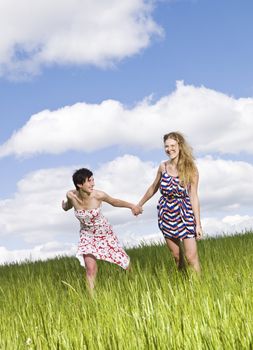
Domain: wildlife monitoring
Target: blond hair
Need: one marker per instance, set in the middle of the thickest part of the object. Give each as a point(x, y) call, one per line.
point(186, 165)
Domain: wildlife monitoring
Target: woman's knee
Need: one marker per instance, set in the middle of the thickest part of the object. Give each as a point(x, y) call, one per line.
point(91, 266)
point(91, 270)
point(191, 257)
point(176, 256)
point(174, 248)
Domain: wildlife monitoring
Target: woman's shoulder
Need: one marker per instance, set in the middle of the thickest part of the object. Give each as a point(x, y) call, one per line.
point(99, 195)
point(72, 194)
point(164, 166)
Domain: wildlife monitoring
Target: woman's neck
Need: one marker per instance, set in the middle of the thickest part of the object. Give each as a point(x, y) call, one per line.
point(83, 195)
point(173, 163)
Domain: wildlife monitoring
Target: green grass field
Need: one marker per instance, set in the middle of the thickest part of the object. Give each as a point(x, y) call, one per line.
point(45, 305)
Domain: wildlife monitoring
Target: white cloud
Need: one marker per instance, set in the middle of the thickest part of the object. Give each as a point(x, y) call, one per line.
point(96, 32)
point(212, 227)
point(41, 252)
point(227, 225)
point(213, 121)
point(34, 214)
point(225, 185)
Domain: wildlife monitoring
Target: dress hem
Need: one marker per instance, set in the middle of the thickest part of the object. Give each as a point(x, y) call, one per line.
point(79, 256)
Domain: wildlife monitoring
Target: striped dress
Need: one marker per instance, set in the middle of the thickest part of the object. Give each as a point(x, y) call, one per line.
point(175, 214)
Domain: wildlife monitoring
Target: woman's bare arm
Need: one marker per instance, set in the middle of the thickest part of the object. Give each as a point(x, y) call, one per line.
point(115, 202)
point(153, 188)
point(193, 193)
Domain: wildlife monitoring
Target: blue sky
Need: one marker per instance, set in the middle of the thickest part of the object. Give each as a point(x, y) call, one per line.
point(75, 99)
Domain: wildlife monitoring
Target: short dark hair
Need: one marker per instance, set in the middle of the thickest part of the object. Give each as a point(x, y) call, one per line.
point(80, 176)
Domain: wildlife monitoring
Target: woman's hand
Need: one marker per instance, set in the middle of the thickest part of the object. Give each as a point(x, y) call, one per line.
point(199, 232)
point(64, 205)
point(136, 210)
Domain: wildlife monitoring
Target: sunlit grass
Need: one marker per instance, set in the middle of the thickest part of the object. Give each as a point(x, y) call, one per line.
point(45, 305)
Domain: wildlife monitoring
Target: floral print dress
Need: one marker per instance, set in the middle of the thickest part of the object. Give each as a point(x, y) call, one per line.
point(98, 239)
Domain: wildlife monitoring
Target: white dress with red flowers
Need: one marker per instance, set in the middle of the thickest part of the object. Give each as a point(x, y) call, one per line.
point(98, 239)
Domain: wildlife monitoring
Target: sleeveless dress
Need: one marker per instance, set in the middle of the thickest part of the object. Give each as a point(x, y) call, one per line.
point(175, 214)
point(98, 239)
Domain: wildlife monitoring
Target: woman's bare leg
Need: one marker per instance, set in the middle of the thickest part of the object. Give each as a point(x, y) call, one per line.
point(177, 252)
point(91, 271)
point(191, 253)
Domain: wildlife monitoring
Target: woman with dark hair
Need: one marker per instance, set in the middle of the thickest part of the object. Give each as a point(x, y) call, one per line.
point(97, 239)
point(178, 206)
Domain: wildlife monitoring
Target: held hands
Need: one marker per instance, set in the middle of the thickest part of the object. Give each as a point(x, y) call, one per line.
point(136, 210)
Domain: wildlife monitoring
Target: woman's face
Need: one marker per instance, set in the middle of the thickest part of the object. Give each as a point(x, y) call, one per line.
point(171, 148)
point(88, 185)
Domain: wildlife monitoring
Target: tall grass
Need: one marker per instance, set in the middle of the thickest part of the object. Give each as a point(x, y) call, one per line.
point(45, 305)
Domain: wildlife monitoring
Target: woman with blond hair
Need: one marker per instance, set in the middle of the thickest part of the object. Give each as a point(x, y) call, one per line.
point(178, 206)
